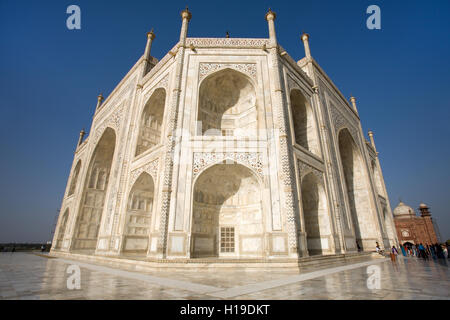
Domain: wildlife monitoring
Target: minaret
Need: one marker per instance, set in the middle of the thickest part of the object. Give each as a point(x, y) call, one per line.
point(372, 141)
point(80, 139)
point(305, 39)
point(186, 16)
point(99, 101)
point(148, 48)
point(424, 210)
point(173, 148)
point(292, 215)
point(270, 17)
point(353, 101)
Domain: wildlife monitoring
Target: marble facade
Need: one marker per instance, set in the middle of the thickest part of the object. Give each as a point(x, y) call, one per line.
point(224, 148)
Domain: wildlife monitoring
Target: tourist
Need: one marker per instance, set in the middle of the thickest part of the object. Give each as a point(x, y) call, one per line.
point(422, 253)
point(445, 251)
point(403, 250)
point(394, 254)
point(377, 247)
point(432, 251)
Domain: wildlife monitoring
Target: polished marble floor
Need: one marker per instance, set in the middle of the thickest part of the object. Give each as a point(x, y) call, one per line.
point(30, 276)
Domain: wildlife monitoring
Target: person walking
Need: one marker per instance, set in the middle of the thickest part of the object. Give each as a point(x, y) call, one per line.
point(445, 251)
point(422, 253)
point(394, 254)
point(403, 250)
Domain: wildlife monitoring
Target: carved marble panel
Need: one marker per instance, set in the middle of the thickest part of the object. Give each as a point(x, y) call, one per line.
point(246, 68)
point(205, 159)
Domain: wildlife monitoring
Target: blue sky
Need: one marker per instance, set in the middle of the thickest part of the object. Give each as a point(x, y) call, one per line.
point(51, 76)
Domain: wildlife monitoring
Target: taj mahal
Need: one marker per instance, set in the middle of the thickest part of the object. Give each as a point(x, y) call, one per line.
point(226, 149)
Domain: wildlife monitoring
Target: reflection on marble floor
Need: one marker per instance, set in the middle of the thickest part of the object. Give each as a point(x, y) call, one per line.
point(28, 276)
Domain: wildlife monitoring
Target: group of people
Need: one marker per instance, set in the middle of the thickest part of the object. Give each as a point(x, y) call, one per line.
point(434, 251)
point(427, 251)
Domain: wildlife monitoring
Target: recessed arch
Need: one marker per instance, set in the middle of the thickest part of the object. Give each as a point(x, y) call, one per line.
point(62, 226)
point(227, 105)
point(357, 187)
point(316, 215)
point(305, 132)
point(74, 180)
point(94, 192)
point(387, 218)
point(377, 177)
point(140, 207)
point(151, 122)
point(227, 212)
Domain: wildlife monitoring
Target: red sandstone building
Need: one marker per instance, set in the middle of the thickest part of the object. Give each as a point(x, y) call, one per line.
point(412, 228)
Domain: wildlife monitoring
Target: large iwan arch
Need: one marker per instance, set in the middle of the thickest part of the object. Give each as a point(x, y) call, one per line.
point(357, 187)
point(227, 213)
point(93, 199)
point(227, 105)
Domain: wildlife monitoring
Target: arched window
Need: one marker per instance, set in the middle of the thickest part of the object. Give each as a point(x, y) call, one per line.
point(227, 105)
point(150, 127)
point(93, 200)
point(304, 125)
point(139, 212)
point(73, 182)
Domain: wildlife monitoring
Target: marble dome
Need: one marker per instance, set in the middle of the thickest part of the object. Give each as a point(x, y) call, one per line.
point(404, 211)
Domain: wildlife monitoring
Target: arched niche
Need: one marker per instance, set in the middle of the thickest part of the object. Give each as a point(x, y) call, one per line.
point(63, 225)
point(151, 122)
point(227, 105)
point(94, 192)
point(74, 180)
point(316, 216)
point(357, 187)
point(139, 212)
point(227, 213)
point(377, 177)
point(389, 227)
point(305, 133)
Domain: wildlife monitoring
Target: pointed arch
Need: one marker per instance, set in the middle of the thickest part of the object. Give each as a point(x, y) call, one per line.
point(151, 122)
point(387, 218)
point(61, 231)
point(63, 225)
point(316, 215)
point(305, 132)
point(227, 105)
point(93, 198)
point(140, 208)
point(227, 212)
point(74, 180)
point(357, 187)
point(377, 177)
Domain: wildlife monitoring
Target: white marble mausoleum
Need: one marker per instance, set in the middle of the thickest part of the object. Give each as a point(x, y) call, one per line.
point(224, 148)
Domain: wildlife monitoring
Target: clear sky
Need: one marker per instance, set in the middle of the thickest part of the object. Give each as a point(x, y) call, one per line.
point(50, 78)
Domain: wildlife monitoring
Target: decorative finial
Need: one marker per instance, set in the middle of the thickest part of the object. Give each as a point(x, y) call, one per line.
point(186, 14)
point(151, 34)
point(227, 35)
point(304, 36)
point(270, 15)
